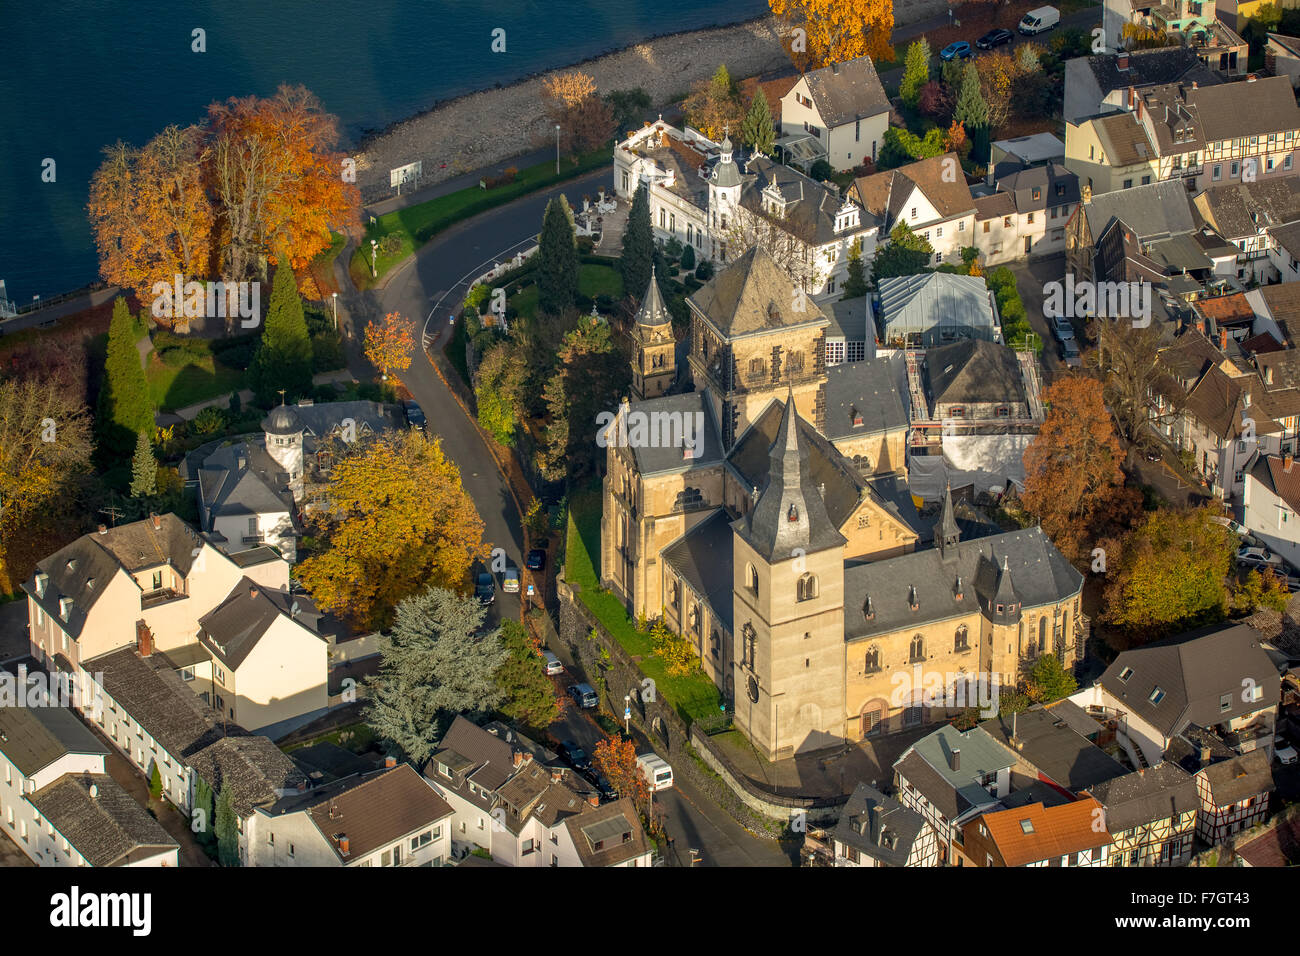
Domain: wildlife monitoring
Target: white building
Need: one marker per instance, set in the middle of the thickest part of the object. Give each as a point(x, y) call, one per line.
point(1271, 504)
point(838, 113)
point(930, 196)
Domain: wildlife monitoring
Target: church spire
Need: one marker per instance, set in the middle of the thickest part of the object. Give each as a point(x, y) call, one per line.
point(653, 312)
point(947, 534)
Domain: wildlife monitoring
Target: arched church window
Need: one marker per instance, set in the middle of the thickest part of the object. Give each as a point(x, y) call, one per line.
point(917, 650)
point(961, 640)
point(872, 662)
point(806, 588)
point(751, 578)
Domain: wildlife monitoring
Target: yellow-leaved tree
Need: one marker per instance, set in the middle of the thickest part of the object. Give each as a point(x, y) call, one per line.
point(834, 31)
point(389, 343)
point(399, 521)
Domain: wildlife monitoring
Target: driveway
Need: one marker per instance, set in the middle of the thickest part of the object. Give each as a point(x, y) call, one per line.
point(1031, 277)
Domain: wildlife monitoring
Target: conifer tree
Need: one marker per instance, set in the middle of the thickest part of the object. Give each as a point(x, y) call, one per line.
point(155, 782)
point(125, 407)
point(638, 245)
point(972, 111)
point(283, 357)
point(758, 131)
point(557, 258)
point(916, 72)
point(227, 830)
point(144, 470)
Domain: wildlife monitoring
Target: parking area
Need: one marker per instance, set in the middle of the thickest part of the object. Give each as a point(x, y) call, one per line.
point(1031, 277)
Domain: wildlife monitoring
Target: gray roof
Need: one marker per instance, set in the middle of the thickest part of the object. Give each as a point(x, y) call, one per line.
point(927, 765)
point(703, 558)
point(1154, 211)
point(790, 514)
point(725, 172)
point(878, 826)
point(1196, 671)
point(1238, 210)
point(107, 829)
point(1239, 777)
point(974, 370)
point(472, 752)
point(243, 479)
point(282, 420)
point(83, 569)
point(35, 737)
point(670, 421)
point(652, 312)
point(844, 92)
point(989, 568)
point(935, 301)
point(1056, 186)
point(232, 629)
point(1208, 114)
point(1088, 80)
point(1146, 796)
point(867, 390)
point(1051, 746)
point(251, 767)
point(1180, 253)
point(811, 206)
point(753, 294)
point(852, 320)
point(151, 692)
point(1034, 148)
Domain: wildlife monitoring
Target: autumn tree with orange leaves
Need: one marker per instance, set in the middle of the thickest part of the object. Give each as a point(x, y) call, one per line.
point(585, 120)
point(389, 344)
point(820, 32)
point(615, 758)
point(1073, 481)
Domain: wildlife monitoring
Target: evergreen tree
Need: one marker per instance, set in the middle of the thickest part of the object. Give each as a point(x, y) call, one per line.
point(906, 254)
point(155, 782)
point(916, 72)
point(144, 470)
point(972, 111)
point(201, 821)
point(125, 407)
point(856, 283)
point(757, 131)
point(529, 693)
point(638, 245)
point(557, 259)
point(283, 357)
point(688, 258)
point(439, 661)
point(236, 406)
point(227, 830)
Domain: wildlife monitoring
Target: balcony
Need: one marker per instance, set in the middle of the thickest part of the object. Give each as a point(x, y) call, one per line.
point(152, 599)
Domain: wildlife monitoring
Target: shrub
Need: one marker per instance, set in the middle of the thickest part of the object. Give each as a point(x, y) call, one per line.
point(688, 258)
point(209, 421)
point(704, 272)
point(821, 170)
point(586, 245)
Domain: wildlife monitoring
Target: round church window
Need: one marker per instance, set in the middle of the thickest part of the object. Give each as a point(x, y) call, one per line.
point(753, 690)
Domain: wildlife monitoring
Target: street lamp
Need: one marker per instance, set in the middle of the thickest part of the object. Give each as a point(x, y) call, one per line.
point(557, 149)
point(627, 713)
point(334, 297)
point(374, 254)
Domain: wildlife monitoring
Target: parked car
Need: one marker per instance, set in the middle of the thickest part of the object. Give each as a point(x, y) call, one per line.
point(956, 51)
point(1151, 453)
point(1283, 752)
point(510, 581)
point(1070, 353)
point(1252, 557)
point(536, 560)
point(553, 665)
point(1039, 21)
point(414, 414)
point(574, 756)
point(1234, 527)
point(602, 784)
point(485, 589)
point(994, 38)
point(1062, 327)
point(656, 770)
point(584, 695)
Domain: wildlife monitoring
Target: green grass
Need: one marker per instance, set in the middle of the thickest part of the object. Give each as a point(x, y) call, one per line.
point(174, 387)
point(419, 223)
point(692, 695)
point(593, 280)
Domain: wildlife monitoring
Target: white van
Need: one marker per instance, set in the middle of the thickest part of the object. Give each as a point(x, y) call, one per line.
point(658, 774)
point(1039, 21)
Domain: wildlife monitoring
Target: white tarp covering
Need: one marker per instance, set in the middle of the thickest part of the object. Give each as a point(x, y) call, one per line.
point(988, 462)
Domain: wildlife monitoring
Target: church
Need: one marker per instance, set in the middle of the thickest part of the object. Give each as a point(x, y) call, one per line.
point(783, 540)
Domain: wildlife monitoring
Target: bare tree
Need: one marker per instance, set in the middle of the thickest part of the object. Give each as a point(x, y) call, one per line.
point(1133, 374)
point(789, 241)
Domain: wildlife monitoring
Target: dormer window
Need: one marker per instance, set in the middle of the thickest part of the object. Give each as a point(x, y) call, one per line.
point(792, 514)
point(912, 601)
point(42, 582)
point(857, 417)
point(65, 607)
point(869, 610)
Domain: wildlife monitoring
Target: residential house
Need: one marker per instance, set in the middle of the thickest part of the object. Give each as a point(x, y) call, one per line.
point(1282, 56)
point(1234, 796)
point(59, 805)
point(851, 334)
point(1150, 814)
point(1106, 231)
point(1245, 215)
point(877, 831)
point(1270, 502)
point(930, 196)
point(1100, 83)
point(1054, 745)
point(1022, 152)
point(936, 308)
point(1027, 214)
point(838, 113)
point(1066, 834)
point(389, 817)
point(1193, 23)
point(1238, 13)
point(1217, 677)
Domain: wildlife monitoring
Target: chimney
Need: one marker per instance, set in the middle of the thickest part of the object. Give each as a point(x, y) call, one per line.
point(1223, 339)
point(518, 758)
point(345, 845)
point(1132, 98)
point(157, 521)
point(557, 775)
point(593, 799)
point(103, 529)
point(143, 639)
point(1205, 755)
point(1121, 62)
point(1286, 463)
point(252, 592)
point(1251, 77)
point(958, 595)
point(1195, 85)
point(302, 786)
point(954, 761)
point(390, 762)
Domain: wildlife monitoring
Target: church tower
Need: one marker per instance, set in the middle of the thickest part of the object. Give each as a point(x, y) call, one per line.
point(788, 607)
point(724, 199)
point(654, 350)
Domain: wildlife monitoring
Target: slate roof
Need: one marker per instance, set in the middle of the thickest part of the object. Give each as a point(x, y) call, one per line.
point(670, 422)
point(233, 628)
point(1055, 749)
point(1154, 211)
point(885, 195)
point(790, 513)
point(994, 206)
point(251, 767)
point(934, 299)
point(155, 697)
point(32, 738)
point(866, 389)
point(926, 765)
point(1270, 471)
point(652, 312)
point(1056, 186)
point(811, 206)
point(854, 321)
point(971, 371)
point(371, 810)
point(1238, 210)
point(1287, 237)
point(1239, 777)
point(878, 826)
point(703, 558)
point(1034, 569)
point(1055, 831)
point(1218, 112)
point(1146, 796)
point(1146, 68)
point(108, 829)
point(753, 294)
point(1124, 142)
point(243, 479)
point(845, 92)
point(83, 569)
point(607, 824)
point(1195, 671)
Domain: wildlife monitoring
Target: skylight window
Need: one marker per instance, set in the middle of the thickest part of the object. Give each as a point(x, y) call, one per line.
point(1125, 674)
point(1026, 826)
point(1157, 695)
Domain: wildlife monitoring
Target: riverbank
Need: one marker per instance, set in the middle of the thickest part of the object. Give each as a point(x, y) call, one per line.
point(488, 127)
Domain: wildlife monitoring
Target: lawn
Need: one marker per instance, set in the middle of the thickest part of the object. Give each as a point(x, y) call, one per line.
point(173, 387)
point(322, 267)
point(593, 280)
point(694, 695)
point(417, 224)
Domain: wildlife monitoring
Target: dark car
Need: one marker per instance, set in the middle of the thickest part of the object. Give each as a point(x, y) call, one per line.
point(485, 589)
point(602, 784)
point(414, 414)
point(955, 51)
point(536, 560)
point(1152, 453)
point(584, 695)
point(574, 756)
point(994, 38)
